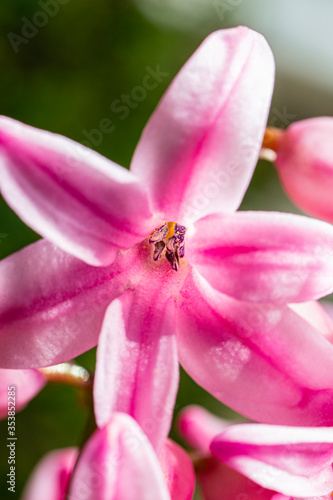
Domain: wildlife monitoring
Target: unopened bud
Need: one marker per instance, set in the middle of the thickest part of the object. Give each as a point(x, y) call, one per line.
point(304, 160)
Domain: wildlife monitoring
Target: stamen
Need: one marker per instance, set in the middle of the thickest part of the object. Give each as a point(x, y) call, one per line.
point(159, 234)
point(173, 258)
point(180, 229)
point(170, 244)
point(169, 239)
point(181, 250)
point(158, 249)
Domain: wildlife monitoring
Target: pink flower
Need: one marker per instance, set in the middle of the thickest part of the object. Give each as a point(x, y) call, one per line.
point(216, 479)
point(305, 165)
point(17, 388)
point(178, 471)
point(50, 479)
point(117, 463)
point(293, 461)
point(199, 427)
point(120, 236)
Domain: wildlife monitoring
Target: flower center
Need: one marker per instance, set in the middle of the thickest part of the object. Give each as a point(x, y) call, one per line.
point(169, 241)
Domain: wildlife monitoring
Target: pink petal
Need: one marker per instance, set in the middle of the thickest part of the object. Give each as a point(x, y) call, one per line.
point(52, 305)
point(322, 497)
point(292, 461)
point(137, 365)
point(217, 482)
point(305, 165)
point(198, 426)
point(198, 151)
point(327, 307)
point(26, 383)
point(82, 202)
point(264, 256)
point(178, 471)
point(50, 478)
point(118, 463)
point(318, 314)
point(248, 356)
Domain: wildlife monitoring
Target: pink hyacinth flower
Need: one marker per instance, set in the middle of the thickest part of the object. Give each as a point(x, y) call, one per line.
point(305, 165)
point(50, 478)
point(116, 463)
point(178, 471)
point(119, 264)
point(295, 461)
point(199, 427)
point(21, 386)
point(216, 480)
point(119, 463)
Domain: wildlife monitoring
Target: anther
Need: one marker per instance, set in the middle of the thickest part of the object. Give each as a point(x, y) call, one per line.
point(158, 249)
point(169, 240)
point(159, 234)
point(173, 258)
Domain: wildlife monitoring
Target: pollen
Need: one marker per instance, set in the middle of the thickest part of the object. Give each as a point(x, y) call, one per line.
point(169, 242)
point(171, 227)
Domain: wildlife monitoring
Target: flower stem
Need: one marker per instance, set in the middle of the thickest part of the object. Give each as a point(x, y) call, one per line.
point(68, 374)
point(270, 144)
point(271, 138)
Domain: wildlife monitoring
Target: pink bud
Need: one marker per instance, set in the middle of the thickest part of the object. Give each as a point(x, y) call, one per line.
point(294, 461)
point(50, 478)
point(198, 427)
point(305, 165)
point(178, 471)
point(215, 478)
point(118, 462)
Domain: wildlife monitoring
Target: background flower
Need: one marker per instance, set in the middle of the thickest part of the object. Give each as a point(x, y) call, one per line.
point(304, 164)
point(116, 463)
point(292, 461)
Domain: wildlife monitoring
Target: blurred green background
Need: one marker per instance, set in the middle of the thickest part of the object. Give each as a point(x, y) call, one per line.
point(62, 71)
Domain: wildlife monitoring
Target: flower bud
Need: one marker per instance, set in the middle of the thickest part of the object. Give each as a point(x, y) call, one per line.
point(305, 165)
point(51, 476)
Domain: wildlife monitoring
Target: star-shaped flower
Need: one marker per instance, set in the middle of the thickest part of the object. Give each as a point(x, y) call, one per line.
point(116, 463)
point(293, 461)
point(154, 260)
